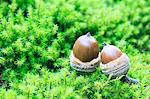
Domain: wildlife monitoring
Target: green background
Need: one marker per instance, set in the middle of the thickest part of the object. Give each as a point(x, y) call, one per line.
point(37, 36)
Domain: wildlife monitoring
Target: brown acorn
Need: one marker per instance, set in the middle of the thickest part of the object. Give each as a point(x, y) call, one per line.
point(86, 48)
point(115, 63)
point(85, 55)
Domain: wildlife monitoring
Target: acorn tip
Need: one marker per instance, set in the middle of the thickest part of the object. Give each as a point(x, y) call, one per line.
point(88, 34)
point(104, 44)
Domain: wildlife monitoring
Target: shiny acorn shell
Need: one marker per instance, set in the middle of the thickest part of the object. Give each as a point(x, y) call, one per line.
point(86, 48)
point(110, 53)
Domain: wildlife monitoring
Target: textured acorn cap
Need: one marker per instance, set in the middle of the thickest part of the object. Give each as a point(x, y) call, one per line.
point(117, 67)
point(84, 66)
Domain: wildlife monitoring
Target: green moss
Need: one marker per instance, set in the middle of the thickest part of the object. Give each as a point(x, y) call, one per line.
point(36, 38)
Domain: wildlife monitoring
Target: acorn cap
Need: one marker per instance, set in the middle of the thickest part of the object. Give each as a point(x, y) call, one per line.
point(109, 53)
point(86, 48)
point(84, 66)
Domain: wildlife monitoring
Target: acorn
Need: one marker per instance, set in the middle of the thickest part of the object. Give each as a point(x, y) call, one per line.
point(115, 63)
point(85, 56)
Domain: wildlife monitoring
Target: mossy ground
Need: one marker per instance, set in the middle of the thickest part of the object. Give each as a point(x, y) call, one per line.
point(36, 38)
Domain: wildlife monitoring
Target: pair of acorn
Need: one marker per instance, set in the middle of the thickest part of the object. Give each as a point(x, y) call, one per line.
point(86, 57)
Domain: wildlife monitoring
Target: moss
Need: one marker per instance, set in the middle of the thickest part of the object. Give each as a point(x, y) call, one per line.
point(37, 36)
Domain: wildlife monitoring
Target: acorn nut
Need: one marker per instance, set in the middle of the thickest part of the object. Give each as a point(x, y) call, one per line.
point(85, 56)
point(114, 62)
